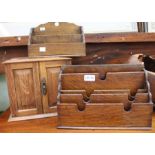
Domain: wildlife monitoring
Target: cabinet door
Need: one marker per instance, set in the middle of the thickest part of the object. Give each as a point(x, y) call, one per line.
point(24, 89)
point(49, 73)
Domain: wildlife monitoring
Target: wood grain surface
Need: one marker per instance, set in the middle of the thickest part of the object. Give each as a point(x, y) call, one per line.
point(65, 49)
point(49, 125)
point(57, 28)
point(109, 107)
point(32, 84)
point(57, 39)
point(13, 41)
point(100, 48)
point(117, 80)
point(104, 115)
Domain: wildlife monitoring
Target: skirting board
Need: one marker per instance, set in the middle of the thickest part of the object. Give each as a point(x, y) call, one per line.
point(105, 128)
point(23, 118)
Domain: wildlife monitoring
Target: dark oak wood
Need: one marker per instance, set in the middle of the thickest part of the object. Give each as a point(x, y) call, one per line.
point(129, 37)
point(100, 48)
point(115, 53)
point(24, 78)
point(11, 52)
point(62, 39)
point(89, 38)
point(13, 41)
point(116, 48)
point(121, 99)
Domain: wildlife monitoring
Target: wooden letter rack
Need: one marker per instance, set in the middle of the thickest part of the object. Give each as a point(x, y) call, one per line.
point(105, 96)
point(63, 39)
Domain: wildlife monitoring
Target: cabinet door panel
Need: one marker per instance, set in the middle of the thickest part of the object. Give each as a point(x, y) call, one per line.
point(23, 80)
point(49, 71)
point(52, 79)
point(24, 89)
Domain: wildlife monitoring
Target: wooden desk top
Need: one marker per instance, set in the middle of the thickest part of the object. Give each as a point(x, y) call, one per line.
point(48, 125)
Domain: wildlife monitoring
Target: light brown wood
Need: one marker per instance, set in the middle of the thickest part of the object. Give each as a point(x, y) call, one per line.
point(38, 39)
point(27, 93)
point(24, 89)
point(104, 76)
point(66, 49)
point(51, 39)
point(104, 115)
point(49, 125)
point(57, 28)
point(104, 98)
point(50, 72)
point(112, 96)
point(36, 59)
point(102, 69)
point(117, 80)
point(107, 99)
point(31, 117)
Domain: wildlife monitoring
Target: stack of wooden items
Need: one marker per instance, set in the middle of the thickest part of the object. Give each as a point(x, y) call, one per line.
point(89, 96)
point(33, 81)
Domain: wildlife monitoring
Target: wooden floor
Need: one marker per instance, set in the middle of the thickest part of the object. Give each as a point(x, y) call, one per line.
point(48, 125)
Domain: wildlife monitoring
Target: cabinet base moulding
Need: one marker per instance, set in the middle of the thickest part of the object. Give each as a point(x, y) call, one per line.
point(24, 118)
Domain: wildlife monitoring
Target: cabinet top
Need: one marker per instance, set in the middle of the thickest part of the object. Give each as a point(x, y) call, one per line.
point(35, 59)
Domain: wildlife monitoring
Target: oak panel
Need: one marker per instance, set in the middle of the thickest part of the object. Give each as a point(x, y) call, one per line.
point(49, 71)
point(24, 89)
point(104, 115)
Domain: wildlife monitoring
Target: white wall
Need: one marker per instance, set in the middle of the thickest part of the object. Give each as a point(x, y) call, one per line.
point(151, 27)
point(19, 29)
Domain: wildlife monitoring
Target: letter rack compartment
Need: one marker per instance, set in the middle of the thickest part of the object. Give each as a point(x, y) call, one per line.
point(104, 97)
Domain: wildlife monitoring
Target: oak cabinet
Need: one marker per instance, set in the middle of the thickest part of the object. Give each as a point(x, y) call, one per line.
point(32, 85)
